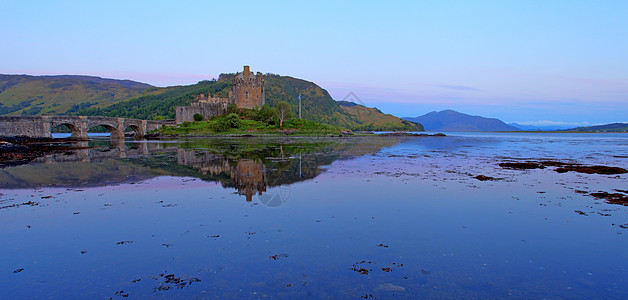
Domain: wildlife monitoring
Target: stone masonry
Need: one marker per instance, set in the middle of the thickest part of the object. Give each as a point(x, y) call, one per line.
point(248, 89)
point(247, 92)
point(40, 126)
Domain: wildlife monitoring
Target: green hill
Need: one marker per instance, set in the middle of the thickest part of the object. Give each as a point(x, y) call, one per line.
point(316, 103)
point(84, 95)
point(373, 119)
point(50, 95)
point(614, 127)
point(159, 103)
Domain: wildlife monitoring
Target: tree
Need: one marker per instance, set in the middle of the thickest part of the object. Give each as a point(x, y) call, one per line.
point(284, 112)
point(266, 114)
point(198, 117)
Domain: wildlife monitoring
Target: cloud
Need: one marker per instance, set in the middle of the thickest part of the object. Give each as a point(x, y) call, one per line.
point(457, 87)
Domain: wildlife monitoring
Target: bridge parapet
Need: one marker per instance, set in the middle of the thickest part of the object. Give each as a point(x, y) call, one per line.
point(31, 126)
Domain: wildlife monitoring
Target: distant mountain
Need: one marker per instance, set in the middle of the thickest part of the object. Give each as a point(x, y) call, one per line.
point(539, 127)
point(49, 95)
point(449, 120)
point(614, 127)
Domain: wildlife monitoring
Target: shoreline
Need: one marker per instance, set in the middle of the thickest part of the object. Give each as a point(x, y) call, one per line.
point(248, 134)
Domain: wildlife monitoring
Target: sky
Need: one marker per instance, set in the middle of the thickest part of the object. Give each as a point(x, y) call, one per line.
point(532, 62)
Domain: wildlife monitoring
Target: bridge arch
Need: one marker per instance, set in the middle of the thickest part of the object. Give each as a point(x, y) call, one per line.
point(115, 132)
point(137, 130)
point(74, 130)
point(77, 126)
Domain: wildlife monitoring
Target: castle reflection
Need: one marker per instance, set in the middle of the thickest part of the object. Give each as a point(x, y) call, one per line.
point(247, 175)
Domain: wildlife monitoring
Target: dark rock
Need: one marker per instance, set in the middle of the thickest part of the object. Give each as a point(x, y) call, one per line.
point(346, 132)
point(485, 178)
point(521, 165)
point(551, 163)
point(152, 136)
point(563, 167)
point(612, 198)
point(604, 170)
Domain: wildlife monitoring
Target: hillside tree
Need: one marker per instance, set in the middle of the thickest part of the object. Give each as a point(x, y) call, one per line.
point(284, 112)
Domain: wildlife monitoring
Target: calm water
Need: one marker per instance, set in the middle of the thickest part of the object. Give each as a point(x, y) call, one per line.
point(318, 218)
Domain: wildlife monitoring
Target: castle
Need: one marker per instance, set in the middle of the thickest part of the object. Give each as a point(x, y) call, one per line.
point(247, 92)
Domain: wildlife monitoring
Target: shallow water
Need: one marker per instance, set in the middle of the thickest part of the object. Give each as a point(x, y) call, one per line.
point(317, 217)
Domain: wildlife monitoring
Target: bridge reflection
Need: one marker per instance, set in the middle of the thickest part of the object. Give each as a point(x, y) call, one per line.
point(86, 153)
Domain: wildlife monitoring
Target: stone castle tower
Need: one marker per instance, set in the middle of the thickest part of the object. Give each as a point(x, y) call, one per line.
point(247, 92)
point(248, 89)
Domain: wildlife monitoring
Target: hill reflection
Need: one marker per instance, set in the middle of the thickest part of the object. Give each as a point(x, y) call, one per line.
point(250, 166)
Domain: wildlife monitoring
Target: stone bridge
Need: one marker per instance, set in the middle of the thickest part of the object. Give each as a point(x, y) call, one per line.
point(41, 126)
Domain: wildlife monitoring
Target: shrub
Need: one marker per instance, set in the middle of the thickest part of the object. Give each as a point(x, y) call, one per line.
point(198, 117)
point(186, 124)
point(224, 124)
point(266, 114)
point(297, 123)
point(233, 109)
point(220, 126)
point(233, 120)
point(250, 114)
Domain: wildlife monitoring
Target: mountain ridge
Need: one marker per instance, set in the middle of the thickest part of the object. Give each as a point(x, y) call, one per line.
point(538, 127)
point(451, 120)
point(58, 94)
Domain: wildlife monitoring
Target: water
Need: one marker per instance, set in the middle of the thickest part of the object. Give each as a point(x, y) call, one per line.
point(317, 217)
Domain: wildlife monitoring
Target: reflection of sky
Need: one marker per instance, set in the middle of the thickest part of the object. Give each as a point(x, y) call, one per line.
point(591, 148)
point(456, 237)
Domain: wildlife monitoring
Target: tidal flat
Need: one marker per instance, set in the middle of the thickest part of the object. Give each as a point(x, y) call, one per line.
point(351, 217)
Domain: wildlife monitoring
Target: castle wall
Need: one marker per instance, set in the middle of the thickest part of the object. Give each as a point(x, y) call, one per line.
point(207, 110)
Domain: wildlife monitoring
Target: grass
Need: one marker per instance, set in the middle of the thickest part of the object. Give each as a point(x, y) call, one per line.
point(213, 127)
